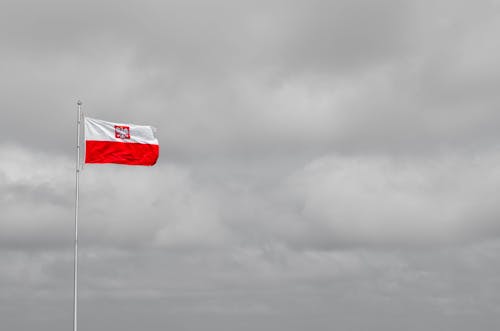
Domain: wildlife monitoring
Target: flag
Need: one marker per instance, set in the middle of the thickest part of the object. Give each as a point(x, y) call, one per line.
point(130, 144)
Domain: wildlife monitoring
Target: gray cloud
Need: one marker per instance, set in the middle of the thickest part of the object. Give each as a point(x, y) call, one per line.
point(322, 163)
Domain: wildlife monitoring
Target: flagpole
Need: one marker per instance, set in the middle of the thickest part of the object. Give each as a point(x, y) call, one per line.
point(77, 169)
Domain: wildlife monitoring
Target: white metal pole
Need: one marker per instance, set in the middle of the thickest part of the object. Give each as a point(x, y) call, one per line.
point(75, 279)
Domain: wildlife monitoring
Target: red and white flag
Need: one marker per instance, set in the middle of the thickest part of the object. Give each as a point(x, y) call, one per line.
point(107, 142)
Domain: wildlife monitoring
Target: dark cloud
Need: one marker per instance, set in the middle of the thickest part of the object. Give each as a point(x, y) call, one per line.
point(322, 163)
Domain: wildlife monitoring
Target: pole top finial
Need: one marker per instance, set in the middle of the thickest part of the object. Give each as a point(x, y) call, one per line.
point(79, 103)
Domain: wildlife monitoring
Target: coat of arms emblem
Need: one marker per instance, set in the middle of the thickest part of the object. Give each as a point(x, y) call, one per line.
point(122, 132)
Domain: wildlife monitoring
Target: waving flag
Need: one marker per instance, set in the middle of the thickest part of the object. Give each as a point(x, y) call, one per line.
point(130, 144)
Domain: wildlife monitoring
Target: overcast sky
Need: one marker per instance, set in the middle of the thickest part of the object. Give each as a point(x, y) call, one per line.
point(325, 165)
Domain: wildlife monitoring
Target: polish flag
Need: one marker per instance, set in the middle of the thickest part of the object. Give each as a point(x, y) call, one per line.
point(130, 144)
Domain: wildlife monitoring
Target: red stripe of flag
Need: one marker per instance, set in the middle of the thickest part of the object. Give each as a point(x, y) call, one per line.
point(121, 153)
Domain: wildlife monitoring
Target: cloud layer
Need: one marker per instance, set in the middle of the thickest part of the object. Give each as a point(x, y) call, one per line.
point(320, 163)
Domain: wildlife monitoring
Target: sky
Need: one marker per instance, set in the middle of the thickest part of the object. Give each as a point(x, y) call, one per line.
point(324, 165)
